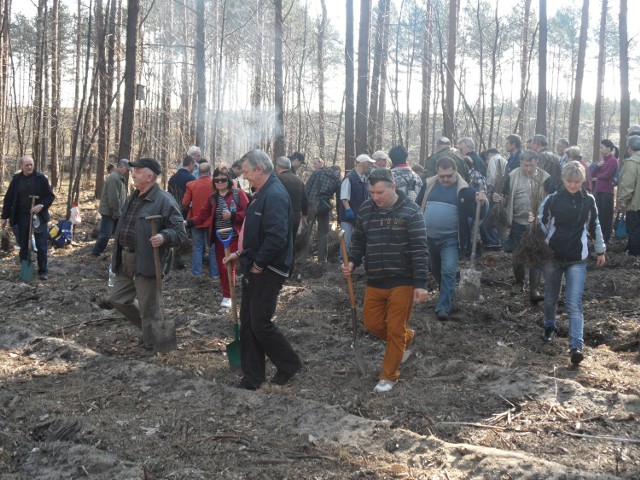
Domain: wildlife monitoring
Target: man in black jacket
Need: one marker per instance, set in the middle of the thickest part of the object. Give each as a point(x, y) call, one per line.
point(266, 261)
point(19, 210)
point(295, 188)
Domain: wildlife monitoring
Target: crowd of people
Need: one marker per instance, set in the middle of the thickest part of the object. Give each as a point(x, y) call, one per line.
point(408, 223)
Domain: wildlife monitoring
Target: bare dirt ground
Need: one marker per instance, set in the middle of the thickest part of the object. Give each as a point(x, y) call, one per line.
point(483, 397)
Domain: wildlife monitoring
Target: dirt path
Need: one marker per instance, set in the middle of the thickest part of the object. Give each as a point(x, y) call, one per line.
point(483, 397)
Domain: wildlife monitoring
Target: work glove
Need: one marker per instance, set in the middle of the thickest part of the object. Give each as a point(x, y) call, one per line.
point(349, 215)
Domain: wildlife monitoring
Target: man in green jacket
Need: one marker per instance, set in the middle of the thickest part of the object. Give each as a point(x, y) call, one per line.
point(135, 293)
point(629, 194)
point(114, 194)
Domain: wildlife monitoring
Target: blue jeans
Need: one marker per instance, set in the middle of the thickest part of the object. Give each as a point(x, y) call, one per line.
point(199, 238)
point(510, 245)
point(443, 262)
point(575, 275)
point(633, 233)
point(107, 227)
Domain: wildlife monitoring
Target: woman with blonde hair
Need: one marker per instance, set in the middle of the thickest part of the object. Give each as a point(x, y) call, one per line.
point(565, 217)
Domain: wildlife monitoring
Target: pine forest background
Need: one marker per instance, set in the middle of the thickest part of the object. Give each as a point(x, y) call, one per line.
point(85, 82)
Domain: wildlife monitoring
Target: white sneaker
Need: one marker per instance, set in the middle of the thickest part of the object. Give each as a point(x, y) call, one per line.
point(226, 303)
point(384, 386)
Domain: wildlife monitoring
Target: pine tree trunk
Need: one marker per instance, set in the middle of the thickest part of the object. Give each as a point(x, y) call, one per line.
point(597, 117)
point(427, 67)
point(625, 100)
point(363, 77)
point(201, 76)
point(449, 112)
point(524, 70)
point(322, 26)
point(349, 110)
point(576, 102)
point(278, 136)
point(130, 69)
point(541, 110)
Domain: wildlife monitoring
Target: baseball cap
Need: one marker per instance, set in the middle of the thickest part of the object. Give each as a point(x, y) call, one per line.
point(150, 163)
point(124, 162)
point(634, 130)
point(380, 155)
point(364, 158)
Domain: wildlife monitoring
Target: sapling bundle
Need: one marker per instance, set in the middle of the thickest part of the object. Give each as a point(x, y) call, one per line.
point(532, 249)
point(497, 217)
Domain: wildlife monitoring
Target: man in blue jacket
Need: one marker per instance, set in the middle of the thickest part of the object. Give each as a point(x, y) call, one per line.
point(19, 210)
point(266, 260)
point(448, 204)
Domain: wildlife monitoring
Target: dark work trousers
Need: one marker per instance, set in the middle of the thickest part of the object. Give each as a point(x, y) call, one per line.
point(21, 229)
point(633, 232)
point(604, 202)
point(259, 336)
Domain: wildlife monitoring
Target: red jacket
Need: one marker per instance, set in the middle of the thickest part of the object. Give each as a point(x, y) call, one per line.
point(197, 196)
point(208, 212)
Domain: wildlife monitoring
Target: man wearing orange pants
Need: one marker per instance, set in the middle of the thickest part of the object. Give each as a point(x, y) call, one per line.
point(390, 236)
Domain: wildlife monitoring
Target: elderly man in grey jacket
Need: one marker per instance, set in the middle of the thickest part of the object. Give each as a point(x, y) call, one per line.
point(134, 292)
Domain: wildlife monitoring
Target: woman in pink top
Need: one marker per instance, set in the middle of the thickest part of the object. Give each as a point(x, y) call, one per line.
point(604, 173)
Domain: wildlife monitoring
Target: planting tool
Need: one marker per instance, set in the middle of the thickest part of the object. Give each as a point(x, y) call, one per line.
point(163, 330)
point(27, 267)
point(362, 365)
point(233, 349)
point(469, 287)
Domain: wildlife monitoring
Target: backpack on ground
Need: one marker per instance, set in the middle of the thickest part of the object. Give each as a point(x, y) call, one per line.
point(61, 233)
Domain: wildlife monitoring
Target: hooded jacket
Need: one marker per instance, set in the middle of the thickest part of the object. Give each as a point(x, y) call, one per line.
point(629, 184)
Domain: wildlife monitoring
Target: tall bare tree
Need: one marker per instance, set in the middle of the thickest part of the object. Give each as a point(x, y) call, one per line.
point(524, 69)
point(349, 127)
point(427, 67)
point(449, 111)
point(5, 17)
point(130, 75)
point(378, 58)
point(38, 104)
point(625, 97)
point(278, 142)
point(55, 90)
point(201, 76)
point(576, 102)
point(320, 35)
point(541, 110)
point(363, 77)
point(602, 56)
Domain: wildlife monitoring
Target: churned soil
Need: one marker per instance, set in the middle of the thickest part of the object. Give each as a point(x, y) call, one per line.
point(483, 397)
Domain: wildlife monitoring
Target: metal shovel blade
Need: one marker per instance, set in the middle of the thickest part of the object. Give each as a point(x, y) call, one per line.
point(233, 349)
point(360, 361)
point(27, 270)
point(469, 286)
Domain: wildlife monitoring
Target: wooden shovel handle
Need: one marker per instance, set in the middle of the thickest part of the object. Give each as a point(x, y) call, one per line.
point(345, 262)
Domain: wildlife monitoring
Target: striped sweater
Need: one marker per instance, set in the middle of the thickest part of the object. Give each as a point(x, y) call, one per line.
point(393, 244)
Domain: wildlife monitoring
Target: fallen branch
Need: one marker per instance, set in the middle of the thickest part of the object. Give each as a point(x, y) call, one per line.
point(477, 425)
point(601, 437)
point(85, 322)
point(25, 299)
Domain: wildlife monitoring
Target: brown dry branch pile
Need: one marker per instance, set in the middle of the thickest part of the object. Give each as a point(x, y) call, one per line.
point(483, 397)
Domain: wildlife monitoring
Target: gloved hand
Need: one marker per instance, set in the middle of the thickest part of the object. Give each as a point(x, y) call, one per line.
point(349, 215)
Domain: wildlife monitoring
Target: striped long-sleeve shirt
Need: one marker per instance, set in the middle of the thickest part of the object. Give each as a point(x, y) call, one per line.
point(393, 244)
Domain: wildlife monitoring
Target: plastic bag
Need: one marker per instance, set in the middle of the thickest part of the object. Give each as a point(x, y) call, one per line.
point(75, 214)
